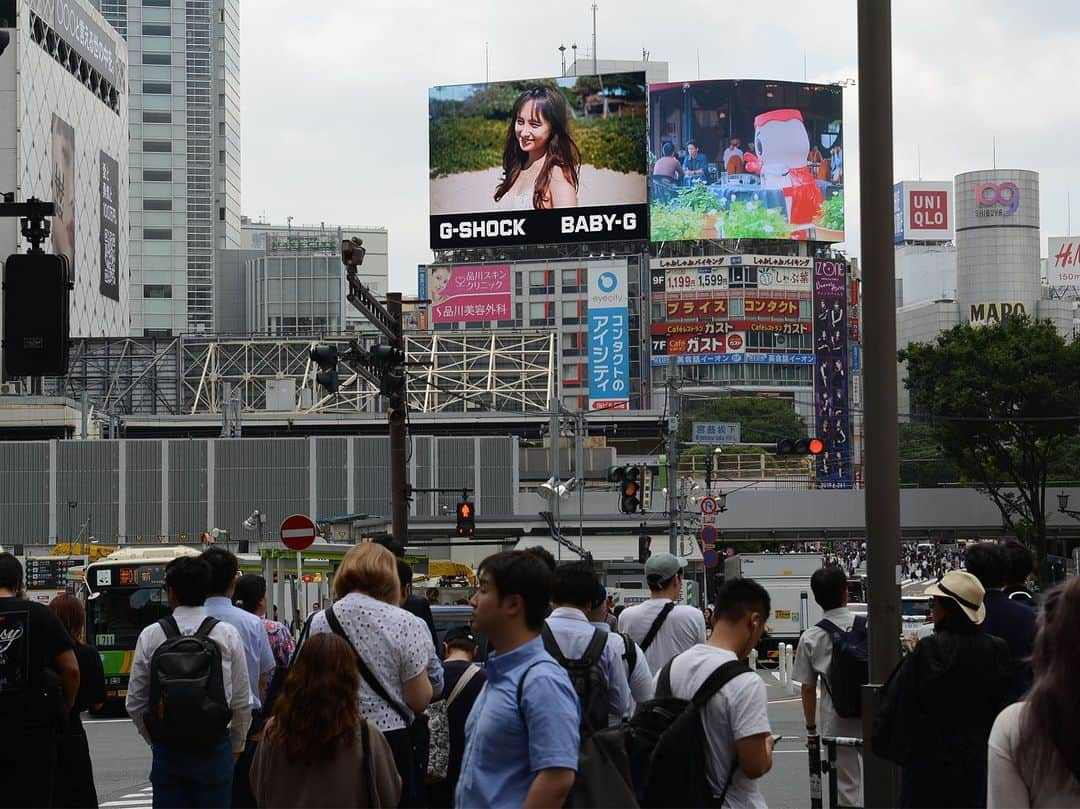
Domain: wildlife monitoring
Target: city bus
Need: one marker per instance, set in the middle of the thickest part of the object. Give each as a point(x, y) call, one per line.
point(125, 592)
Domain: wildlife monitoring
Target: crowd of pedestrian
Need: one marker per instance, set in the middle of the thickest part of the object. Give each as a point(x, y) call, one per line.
point(362, 709)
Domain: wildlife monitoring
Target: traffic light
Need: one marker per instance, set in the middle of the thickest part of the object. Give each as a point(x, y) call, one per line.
point(37, 290)
point(800, 446)
point(644, 546)
point(630, 491)
point(326, 357)
point(353, 252)
point(466, 519)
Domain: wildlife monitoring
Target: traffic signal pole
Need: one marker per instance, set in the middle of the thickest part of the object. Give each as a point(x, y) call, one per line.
point(879, 345)
point(399, 503)
point(674, 411)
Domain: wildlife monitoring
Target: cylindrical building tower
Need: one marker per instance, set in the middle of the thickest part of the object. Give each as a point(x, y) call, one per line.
point(997, 241)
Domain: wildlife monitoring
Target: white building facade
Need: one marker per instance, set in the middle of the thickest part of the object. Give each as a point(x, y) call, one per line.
point(184, 154)
point(63, 139)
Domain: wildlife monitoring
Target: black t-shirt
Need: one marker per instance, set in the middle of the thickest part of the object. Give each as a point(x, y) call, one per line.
point(31, 636)
point(91, 678)
point(459, 711)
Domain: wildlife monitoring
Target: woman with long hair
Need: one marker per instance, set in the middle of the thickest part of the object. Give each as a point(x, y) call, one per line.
point(74, 783)
point(317, 750)
point(541, 161)
point(392, 651)
point(1034, 758)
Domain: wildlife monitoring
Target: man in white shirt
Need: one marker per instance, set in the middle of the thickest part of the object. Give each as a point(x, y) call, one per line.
point(738, 739)
point(638, 673)
point(812, 660)
point(659, 626)
point(573, 595)
point(185, 778)
point(733, 150)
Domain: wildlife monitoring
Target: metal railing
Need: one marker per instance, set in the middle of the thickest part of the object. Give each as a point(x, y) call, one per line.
point(827, 766)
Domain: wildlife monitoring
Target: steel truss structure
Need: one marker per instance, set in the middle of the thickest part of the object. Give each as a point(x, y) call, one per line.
point(509, 371)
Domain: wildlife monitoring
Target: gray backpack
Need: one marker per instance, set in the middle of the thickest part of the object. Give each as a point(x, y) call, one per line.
point(438, 715)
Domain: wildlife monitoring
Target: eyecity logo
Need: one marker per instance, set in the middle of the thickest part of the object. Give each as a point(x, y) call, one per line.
point(607, 282)
point(996, 199)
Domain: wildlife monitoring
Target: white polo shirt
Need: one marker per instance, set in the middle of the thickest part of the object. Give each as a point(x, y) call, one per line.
point(684, 627)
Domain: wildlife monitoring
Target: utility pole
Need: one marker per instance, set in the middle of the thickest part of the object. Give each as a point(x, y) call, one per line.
point(395, 414)
point(384, 367)
point(674, 409)
point(553, 430)
point(879, 343)
point(595, 71)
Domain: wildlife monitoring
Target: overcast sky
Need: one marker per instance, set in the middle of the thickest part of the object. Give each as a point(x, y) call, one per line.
point(334, 92)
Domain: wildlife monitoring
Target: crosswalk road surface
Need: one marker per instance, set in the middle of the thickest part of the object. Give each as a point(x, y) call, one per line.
point(133, 800)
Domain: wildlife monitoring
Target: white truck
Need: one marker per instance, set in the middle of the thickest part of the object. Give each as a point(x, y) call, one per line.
point(786, 577)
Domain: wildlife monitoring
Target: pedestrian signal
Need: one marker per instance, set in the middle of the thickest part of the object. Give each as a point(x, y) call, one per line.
point(466, 519)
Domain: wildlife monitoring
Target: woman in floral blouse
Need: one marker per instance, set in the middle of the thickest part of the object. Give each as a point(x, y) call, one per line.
point(251, 596)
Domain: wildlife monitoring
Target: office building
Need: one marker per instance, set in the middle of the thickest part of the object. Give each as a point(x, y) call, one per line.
point(184, 155)
point(63, 139)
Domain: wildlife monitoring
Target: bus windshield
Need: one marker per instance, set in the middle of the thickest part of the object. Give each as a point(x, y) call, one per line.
point(119, 614)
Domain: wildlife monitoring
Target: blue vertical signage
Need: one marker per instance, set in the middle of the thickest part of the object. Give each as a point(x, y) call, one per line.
point(609, 338)
point(832, 413)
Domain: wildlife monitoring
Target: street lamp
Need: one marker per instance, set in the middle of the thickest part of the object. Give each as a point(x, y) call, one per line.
point(1063, 506)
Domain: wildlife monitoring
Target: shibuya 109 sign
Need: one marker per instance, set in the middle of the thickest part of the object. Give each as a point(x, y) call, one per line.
point(996, 199)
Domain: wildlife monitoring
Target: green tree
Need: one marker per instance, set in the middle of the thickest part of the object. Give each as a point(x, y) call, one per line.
point(763, 419)
point(922, 462)
point(1004, 400)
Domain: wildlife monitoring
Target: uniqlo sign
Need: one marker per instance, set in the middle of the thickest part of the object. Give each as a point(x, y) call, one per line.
point(923, 211)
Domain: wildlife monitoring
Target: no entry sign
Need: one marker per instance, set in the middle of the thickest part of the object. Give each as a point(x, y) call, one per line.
point(297, 532)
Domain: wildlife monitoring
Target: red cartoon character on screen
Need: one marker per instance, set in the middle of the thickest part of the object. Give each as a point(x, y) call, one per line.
point(782, 145)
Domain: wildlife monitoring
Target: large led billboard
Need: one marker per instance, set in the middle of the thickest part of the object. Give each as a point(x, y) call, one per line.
point(747, 159)
point(538, 162)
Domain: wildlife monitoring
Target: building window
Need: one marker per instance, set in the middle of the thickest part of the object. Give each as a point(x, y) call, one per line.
point(156, 3)
point(157, 205)
point(157, 290)
point(221, 214)
point(157, 88)
point(158, 234)
point(157, 146)
point(157, 58)
point(221, 129)
point(157, 332)
point(155, 117)
point(221, 157)
point(541, 282)
point(156, 30)
point(157, 175)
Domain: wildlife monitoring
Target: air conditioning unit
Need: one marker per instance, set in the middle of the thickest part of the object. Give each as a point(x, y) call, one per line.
point(10, 389)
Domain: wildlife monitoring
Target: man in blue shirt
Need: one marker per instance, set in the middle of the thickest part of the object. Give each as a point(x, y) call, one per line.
point(696, 164)
point(522, 733)
point(576, 587)
point(224, 568)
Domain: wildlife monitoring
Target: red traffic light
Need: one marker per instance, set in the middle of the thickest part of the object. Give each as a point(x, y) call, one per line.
point(816, 446)
point(466, 519)
point(464, 511)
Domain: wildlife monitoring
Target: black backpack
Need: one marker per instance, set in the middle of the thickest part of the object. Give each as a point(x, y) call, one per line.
point(188, 710)
point(629, 653)
point(588, 677)
point(849, 668)
point(665, 743)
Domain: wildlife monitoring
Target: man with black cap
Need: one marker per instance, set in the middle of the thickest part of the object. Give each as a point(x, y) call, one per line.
point(660, 626)
point(462, 679)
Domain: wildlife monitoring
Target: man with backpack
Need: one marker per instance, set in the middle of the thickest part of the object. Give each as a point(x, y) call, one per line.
point(660, 626)
point(522, 738)
point(592, 656)
point(188, 694)
point(704, 739)
point(835, 651)
point(447, 714)
point(638, 674)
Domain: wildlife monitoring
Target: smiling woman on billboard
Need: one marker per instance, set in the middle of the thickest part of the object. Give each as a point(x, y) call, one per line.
point(541, 161)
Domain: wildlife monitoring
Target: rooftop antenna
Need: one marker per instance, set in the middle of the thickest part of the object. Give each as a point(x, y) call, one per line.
point(995, 150)
point(918, 159)
point(595, 70)
point(804, 65)
point(487, 64)
point(1068, 213)
point(562, 58)
point(699, 64)
point(574, 49)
